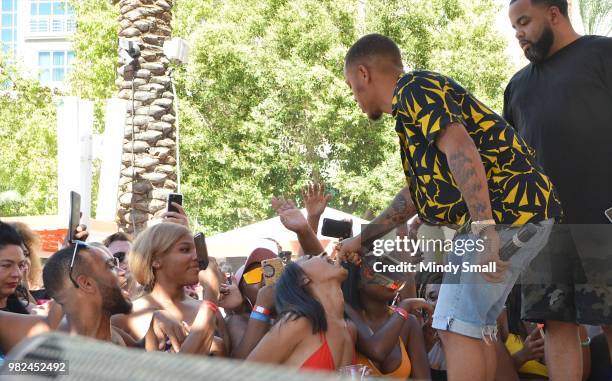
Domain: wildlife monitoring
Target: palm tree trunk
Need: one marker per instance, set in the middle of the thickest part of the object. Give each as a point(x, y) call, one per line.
point(148, 170)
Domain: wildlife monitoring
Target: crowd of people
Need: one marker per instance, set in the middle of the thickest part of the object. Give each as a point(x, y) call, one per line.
point(333, 309)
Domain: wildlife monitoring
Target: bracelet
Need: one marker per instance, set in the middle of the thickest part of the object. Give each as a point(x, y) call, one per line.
point(402, 312)
point(478, 226)
point(586, 343)
point(259, 316)
point(213, 307)
point(261, 310)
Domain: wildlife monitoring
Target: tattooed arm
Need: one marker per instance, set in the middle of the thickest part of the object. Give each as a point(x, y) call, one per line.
point(401, 210)
point(466, 166)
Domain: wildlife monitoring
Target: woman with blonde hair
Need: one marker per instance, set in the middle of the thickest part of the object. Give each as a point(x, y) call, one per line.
point(163, 260)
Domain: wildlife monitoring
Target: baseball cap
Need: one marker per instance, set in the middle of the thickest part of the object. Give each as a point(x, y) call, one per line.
point(257, 255)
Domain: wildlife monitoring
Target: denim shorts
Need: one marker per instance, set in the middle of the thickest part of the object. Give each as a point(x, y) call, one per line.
point(467, 303)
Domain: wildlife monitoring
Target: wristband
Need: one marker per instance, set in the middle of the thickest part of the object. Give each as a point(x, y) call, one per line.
point(261, 310)
point(259, 316)
point(402, 312)
point(213, 307)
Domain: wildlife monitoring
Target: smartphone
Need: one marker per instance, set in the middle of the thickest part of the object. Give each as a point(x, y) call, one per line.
point(201, 250)
point(608, 214)
point(75, 215)
point(272, 270)
point(174, 197)
point(337, 228)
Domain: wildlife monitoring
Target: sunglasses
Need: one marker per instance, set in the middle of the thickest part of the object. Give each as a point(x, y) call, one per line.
point(120, 255)
point(382, 280)
point(253, 276)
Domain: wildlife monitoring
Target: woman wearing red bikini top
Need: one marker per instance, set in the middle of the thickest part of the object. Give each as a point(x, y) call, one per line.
point(311, 332)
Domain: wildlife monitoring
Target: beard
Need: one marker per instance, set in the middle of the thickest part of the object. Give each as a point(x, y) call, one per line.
point(538, 51)
point(113, 301)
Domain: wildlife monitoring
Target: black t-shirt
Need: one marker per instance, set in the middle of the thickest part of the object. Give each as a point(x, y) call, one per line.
point(563, 109)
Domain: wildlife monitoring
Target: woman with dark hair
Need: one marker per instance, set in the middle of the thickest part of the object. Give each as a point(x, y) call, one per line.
point(311, 332)
point(389, 338)
point(12, 266)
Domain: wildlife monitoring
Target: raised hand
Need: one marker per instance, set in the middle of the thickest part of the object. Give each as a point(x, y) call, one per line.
point(179, 217)
point(315, 199)
point(231, 298)
point(291, 217)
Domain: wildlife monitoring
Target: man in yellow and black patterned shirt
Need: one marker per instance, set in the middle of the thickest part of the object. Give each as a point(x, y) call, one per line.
point(423, 104)
point(463, 163)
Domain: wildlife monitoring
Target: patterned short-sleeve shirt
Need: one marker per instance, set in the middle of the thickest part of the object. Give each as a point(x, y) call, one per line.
point(423, 104)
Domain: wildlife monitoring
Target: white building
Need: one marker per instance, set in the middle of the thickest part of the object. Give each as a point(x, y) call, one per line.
point(36, 34)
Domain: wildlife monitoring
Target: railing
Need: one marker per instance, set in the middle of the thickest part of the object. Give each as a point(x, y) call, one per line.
point(52, 24)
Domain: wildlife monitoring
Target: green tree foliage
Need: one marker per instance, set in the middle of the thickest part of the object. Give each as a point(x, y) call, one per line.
point(28, 165)
point(454, 37)
point(596, 16)
point(263, 105)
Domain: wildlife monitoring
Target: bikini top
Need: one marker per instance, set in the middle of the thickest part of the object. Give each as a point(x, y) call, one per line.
point(322, 358)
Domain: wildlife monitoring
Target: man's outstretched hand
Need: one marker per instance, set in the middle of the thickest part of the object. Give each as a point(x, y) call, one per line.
point(349, 249)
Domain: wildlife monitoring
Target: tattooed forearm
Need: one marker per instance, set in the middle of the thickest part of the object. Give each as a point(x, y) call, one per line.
point(469, 174)
point(400, 211)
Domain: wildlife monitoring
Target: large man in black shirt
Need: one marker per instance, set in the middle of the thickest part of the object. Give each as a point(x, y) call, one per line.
point(561, 103)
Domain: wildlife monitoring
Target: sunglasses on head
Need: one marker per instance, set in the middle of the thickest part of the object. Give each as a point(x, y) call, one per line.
point(253, 276)
point(77, 246)
point(114, 261)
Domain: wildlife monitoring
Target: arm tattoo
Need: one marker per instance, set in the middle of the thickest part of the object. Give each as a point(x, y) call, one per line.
point(400, 211)
point(476, 196)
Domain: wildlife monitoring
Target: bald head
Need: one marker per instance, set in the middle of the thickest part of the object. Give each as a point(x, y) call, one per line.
point(373, 48)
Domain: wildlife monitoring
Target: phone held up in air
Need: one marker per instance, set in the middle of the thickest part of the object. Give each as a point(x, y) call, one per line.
point(75, 215)
point(201, 250)
point(177, 198)
point(337, 228)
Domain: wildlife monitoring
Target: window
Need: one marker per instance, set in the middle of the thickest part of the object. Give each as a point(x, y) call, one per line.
point(51, 16)
point(54, 66)
point(8, 26)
